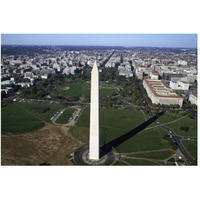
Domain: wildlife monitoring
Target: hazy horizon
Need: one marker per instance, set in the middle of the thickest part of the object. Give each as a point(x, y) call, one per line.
point(115, 40)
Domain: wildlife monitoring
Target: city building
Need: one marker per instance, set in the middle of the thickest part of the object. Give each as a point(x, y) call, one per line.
point(125, 71)
point(175, 76)
point(159, 94)
point(7, 82)
point(7, 90)
point(45, 74)
point(25, 84)
point(193, 98)
point(179, 85)
point(154, 75)
point(66, 71)
point(191, 78)
point(182, 62)
point(28, 75)
point(140, 75)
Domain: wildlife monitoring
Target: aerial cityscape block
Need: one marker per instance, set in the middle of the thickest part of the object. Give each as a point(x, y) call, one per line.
point(51, 98)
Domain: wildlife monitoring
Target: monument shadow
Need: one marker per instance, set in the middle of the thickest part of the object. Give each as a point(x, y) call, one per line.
point(106, 148)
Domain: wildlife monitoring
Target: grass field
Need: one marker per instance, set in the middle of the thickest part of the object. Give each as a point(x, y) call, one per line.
point(191, 147)
point(25, 117)
point(16, 120)
point(178, 121)
point(111, 121)
point(136, 162)
point(169, 117)
point(120, 163)
point(65, 116)
point(115, 123)
point(46, 116)
point(152, 139)
point(155, 155)
point(140, 162)
point(83, 90)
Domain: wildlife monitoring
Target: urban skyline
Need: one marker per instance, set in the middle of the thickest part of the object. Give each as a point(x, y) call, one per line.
point(126, 40)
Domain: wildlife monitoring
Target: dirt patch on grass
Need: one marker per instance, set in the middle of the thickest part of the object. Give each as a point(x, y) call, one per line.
point(123, 117)
point(163, 141)
point(66, 88)
point(170, 153)
point(49, 145)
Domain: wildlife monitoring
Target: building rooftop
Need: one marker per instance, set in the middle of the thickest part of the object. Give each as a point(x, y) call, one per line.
point(159, 90)
point(173, 81)
point(7, 82)
point(195, 94)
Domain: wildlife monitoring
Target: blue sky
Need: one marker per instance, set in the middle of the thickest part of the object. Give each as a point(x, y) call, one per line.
point(148, 40)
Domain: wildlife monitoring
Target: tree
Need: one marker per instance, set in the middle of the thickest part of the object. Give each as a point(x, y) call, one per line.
point(184, 128)
point(194, 106)
point(3, 95)
point(191, 116)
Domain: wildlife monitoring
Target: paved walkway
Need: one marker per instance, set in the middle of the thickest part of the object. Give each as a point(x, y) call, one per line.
point(149, 151)
point(81, 158)
point(75, 117)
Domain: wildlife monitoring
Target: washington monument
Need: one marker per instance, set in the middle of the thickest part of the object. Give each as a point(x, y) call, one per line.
point(91, 155)
point(94, 114)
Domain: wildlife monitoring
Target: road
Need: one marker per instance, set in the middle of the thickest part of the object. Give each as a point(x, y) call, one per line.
point(57, 115)
point(177, 142)
point(74, 118)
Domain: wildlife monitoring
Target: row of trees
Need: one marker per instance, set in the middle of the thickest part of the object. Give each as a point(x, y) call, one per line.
point(42, 88)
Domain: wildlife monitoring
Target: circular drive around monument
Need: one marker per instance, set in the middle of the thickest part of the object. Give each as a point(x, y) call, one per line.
point(81, 158)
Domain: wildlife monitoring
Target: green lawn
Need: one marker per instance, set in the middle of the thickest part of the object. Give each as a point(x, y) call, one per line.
point(115, 123)
point(83, 89)
point(191, 147)
point(106, 90)
point(168, 117)
point(16, 120)
point(135, 162)
point(65, 116)
point(120, 163)
point(84, 119)
point(152, 139)
point(25, 117)
point(139, 162)
point(183, 122)
point(155, 155)
point(46, 116)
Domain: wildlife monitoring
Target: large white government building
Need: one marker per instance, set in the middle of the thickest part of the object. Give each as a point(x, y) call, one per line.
point(158, 93)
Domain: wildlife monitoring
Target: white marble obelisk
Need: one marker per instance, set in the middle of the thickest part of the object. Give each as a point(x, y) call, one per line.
point(94, 114)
